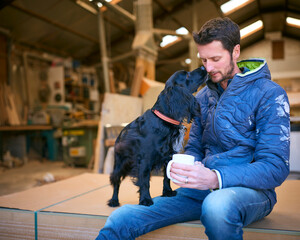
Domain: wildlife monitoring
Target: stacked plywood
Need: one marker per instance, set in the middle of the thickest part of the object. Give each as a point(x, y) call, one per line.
point(76, 209)
point(8, 108)
point(117, 109)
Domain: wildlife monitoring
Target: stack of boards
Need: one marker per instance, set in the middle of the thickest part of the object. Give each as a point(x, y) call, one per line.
point(9, 114)
point(76, 208)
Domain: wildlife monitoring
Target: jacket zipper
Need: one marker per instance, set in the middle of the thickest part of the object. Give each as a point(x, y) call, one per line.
point(213, 117)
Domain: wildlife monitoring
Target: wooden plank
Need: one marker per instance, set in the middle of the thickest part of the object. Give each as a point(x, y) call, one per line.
point(15, 120)
point(112, 82)
point(80, 211)
point(3, 59)
point(97, 148)
point(3, 115)
point(25, 128)
point(116, 109)
point(150, 69)
point(10, 105)
point(137, 80)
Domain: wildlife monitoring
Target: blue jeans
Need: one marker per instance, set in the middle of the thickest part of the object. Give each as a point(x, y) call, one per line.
point(223, 213)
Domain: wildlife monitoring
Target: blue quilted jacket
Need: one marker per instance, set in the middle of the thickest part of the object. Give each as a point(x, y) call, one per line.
point(245, 132)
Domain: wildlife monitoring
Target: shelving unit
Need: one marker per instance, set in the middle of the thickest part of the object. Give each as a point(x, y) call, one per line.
point(81, 87)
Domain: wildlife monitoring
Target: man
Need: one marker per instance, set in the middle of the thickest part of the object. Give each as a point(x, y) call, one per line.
point(241, 144)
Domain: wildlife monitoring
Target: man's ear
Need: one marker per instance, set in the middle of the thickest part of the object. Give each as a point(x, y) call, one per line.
point(236, 52)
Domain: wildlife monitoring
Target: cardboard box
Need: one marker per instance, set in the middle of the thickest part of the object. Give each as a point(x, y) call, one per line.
point(76, 208)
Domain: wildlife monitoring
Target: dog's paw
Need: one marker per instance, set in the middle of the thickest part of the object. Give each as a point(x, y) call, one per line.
point(169, 193)
point(113, 203)
point(146, 202)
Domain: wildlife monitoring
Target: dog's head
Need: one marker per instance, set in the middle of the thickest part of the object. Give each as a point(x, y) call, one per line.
point(178, 103)
point(176, 100)
point(189, 80)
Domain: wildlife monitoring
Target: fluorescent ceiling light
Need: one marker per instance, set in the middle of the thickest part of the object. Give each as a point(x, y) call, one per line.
point(182, 31)
point(252, 28)
point(293, 22)
point(168, 39)
point(233, 5)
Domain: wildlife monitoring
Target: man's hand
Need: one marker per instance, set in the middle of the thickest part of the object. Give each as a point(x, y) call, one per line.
point(194, 176)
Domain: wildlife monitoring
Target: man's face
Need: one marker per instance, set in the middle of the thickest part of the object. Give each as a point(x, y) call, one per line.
point(217, 61)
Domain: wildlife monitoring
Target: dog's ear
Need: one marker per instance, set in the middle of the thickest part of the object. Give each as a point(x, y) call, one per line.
point(179, 103)
point(194, 110)
point(187, 106)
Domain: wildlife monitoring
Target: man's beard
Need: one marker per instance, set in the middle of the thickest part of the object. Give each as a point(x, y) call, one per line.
point(229, 74)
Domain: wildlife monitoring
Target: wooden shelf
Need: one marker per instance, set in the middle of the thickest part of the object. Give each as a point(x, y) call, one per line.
point(26, 127)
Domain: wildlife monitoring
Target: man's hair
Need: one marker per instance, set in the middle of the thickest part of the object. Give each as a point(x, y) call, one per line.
point(220, 29)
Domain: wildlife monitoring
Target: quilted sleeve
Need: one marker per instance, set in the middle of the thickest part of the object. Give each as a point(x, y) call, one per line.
point(270, 165)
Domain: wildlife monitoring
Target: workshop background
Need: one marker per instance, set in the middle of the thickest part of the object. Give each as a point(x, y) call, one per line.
point(74, 72)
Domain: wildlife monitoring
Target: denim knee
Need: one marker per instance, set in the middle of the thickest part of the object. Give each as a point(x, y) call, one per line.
point(220, 214)
point(117, 225)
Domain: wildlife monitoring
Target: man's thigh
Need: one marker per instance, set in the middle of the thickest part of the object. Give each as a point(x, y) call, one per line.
point(131, 221)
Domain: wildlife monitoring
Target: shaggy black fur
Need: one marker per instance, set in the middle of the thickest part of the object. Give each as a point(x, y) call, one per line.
point(148, 142)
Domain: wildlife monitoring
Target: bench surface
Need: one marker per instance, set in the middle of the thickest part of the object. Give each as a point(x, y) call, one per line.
point(76, 208)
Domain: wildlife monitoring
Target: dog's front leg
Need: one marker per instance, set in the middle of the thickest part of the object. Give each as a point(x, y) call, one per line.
point(167, 190)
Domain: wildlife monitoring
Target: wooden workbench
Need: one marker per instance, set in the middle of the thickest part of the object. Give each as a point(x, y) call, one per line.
point(47, 132)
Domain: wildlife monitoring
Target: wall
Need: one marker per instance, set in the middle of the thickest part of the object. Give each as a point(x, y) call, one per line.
point(282, 68)
point(3, 59)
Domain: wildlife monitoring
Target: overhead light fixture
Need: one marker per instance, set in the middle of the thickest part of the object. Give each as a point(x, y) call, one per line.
point(87, 7)
point(188, 61)
point(233, 5)
point(294, 22)
point(169, 39)
point(252, 28)
point(182, 31)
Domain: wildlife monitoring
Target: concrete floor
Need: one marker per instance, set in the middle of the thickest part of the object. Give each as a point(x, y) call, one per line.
point(33, 174)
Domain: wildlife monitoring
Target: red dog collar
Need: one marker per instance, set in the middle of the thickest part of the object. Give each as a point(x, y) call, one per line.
point(165, 118)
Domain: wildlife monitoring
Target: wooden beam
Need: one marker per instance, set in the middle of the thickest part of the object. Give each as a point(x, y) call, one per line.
point(137, 78)
point(112, 81)
point(168, 11)
point(5, 3)
point(54, 23)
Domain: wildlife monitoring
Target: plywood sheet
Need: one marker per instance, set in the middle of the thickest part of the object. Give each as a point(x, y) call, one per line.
point(76, 208)
point(116, 109)
point(38, 198)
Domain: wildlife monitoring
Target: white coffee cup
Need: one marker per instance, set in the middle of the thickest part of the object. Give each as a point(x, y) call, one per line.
point(179, 158)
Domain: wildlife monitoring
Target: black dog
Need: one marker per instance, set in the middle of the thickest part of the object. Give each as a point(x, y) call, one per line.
point(149, 142)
